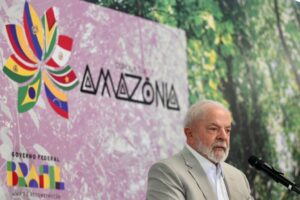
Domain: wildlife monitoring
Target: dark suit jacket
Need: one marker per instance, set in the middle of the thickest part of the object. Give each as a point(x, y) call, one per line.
point(182, 177)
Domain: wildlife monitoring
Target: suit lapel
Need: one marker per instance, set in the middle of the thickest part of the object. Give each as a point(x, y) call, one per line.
point(229, 180)
point(198, 174)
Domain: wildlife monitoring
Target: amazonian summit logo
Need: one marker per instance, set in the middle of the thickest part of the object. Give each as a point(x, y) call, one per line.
point(40, 54)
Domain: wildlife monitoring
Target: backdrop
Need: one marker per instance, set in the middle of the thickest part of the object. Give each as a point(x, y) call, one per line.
point(89, 99)
point(246, 55)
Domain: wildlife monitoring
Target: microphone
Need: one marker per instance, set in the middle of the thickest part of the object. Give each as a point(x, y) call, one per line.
point(273, 173)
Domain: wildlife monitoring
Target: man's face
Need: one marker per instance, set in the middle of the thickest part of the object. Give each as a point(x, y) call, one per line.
point(210, 135)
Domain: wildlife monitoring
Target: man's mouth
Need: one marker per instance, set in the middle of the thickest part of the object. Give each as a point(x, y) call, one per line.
point(218, 148)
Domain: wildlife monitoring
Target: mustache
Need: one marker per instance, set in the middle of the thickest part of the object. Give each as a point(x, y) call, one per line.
point(220, 145)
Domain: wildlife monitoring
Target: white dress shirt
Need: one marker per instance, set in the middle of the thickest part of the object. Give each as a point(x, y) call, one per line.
point(214, 174)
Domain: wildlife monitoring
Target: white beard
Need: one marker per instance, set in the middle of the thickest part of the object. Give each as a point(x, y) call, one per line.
point(216, 157)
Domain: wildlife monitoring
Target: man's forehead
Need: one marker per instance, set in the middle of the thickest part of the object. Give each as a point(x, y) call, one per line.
point(227, 125)
point(219, 117)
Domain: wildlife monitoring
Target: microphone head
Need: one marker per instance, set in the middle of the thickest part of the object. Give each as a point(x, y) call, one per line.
point(254, 161)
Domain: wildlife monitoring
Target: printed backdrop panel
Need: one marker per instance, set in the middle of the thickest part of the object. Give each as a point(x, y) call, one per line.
point(89, 99)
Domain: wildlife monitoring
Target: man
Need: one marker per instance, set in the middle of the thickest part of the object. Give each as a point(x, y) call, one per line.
point(198, 172)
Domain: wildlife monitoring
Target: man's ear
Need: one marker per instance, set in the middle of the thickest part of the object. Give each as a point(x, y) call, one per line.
point(189, 135)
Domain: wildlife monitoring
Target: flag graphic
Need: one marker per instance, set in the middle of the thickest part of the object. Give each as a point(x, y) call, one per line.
point(35, 44)
point(33, 30)
point(16, 37)
point(56, 99)
point(17, 70)
point(62, 52)
point(65, 79)
point(50, 28)
point(29, 94)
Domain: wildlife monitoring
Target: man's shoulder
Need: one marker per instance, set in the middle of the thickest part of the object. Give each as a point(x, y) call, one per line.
point(230, 169)
point(173, 162)
point(173, 159)
point(168, 178)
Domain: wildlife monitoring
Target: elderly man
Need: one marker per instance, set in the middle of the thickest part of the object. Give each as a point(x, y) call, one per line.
point(198, 171)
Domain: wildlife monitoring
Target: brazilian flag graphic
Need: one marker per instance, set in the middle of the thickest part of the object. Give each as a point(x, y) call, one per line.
point(28, 95)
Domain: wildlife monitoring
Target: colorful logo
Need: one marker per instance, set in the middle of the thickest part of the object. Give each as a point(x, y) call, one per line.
point(40, 54)
point(47, 177)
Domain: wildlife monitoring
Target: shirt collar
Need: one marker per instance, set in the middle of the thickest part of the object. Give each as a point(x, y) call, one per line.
point(207, 165)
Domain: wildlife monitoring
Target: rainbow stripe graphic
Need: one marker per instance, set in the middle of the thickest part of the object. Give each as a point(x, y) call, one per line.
point(35, 43)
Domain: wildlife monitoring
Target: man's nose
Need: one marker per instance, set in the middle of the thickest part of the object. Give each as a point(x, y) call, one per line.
point(222, 134)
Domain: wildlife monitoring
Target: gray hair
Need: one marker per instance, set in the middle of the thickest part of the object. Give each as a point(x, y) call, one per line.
point(197, 111)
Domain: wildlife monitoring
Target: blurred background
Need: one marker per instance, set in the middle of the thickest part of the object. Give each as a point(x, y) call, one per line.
point(244, 54)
